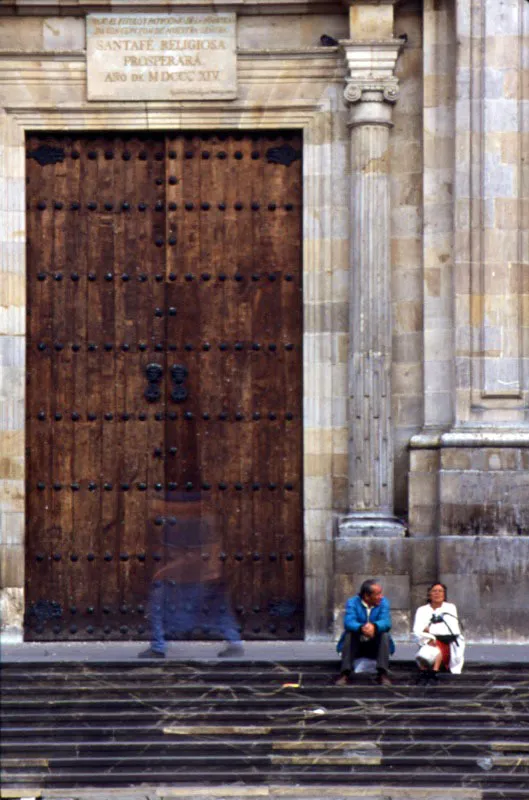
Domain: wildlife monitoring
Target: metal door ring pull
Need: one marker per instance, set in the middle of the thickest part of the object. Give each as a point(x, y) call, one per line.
point(178, 373)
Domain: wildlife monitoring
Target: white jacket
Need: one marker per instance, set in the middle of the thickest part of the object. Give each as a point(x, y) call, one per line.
point(423, 616)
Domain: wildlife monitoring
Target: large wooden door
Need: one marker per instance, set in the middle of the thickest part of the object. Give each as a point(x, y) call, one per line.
point(163, 358)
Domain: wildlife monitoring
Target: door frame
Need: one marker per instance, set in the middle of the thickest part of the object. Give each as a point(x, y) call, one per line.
point(325, 274)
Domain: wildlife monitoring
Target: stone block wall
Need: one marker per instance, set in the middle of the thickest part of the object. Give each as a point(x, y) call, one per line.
point(386, 558)
point(406, 163)
point(468, 528)
point(487, 577)
point(483, 491)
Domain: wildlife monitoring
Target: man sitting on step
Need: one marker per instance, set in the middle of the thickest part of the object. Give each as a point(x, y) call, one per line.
point(367, 623)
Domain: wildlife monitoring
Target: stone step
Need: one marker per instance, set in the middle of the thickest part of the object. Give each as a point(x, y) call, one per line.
point(182, 723)
point(227, 697)
point(174, 739)
point(381, 775)
point(424, 731)
point(232, 670)
point(344, 791)
point(453, 688)
point(376, 716)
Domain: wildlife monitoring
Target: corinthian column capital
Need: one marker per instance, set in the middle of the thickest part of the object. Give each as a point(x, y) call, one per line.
point(371, 85)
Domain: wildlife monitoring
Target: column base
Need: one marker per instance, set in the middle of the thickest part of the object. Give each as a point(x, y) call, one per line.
point(370, 523)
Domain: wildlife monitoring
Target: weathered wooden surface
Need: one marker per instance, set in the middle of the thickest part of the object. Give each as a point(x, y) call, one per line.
point(169, 250)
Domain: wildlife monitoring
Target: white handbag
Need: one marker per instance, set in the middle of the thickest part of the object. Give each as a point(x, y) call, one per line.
point(426, 655)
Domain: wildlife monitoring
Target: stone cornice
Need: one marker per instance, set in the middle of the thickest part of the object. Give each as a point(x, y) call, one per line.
point(326, 53)
point(500, 437)
point(82, 7)
point(349, 3)
point(371, 62)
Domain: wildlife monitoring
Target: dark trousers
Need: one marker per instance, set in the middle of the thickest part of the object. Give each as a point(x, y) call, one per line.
point(376, 648)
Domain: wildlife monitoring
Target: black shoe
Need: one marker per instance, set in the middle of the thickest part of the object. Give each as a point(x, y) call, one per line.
point(231, 650)
point(150, 653)
point(430, 678)
point(383, 679)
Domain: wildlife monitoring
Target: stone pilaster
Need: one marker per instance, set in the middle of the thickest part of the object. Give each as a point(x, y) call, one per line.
point(371, 90)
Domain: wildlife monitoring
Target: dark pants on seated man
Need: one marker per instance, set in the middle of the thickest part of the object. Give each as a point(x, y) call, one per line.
point(377, 648)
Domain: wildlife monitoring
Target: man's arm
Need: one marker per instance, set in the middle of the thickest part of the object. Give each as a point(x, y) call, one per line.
point(383, 620)
point(353, 619)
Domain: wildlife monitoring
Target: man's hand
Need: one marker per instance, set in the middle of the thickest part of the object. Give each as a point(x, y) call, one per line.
point(368, 630)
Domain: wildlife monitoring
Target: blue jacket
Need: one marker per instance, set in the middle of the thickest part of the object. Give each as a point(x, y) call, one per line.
point(356, 616)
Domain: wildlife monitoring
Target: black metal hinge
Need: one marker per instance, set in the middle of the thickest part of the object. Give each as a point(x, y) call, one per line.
point(45, 154)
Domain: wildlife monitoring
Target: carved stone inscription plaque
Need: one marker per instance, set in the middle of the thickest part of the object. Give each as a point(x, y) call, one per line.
point(161, 56)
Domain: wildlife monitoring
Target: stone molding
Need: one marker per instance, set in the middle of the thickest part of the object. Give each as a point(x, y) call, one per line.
point(253, 67)
point(372, 59)
point(79, 54)
point(82, 7)
point(368, 525)
point(352, 3)
point(470, 438)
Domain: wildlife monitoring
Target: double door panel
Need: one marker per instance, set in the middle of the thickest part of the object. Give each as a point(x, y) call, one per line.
point(164, 366)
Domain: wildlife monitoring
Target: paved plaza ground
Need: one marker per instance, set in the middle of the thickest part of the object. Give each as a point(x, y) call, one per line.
point(254, 651)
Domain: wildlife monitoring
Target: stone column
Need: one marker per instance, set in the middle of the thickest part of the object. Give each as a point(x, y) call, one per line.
point(371, 91)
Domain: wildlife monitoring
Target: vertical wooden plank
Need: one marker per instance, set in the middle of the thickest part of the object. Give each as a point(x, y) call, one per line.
point(231, 466)
point(264, 569)
point(85, 500)
point(211, 454)
point(189, 311)
point(109, 528)
point(290, 426)
point(248, 589)
point(156, 321)
point(115, 547)
point(219, 392)
point(175, 288)
point(257, 521)
point(134, 277)
point(176, 334)
point(88, 533)
point(266, 321)
point(77, 312)
point(140, 193)
point(39, 383)
point(61, 510)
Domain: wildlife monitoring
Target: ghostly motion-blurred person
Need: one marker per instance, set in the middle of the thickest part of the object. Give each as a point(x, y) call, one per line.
point(187, 592)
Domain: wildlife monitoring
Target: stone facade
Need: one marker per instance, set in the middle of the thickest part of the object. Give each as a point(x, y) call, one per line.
point(416, 243)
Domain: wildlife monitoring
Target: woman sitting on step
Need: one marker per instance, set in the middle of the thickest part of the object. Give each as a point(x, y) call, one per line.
point(436, 628)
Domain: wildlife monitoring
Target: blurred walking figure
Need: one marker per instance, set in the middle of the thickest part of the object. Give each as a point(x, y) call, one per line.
point(187, 592)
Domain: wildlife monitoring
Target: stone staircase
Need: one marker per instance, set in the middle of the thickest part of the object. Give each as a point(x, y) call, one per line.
point(126, 724)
